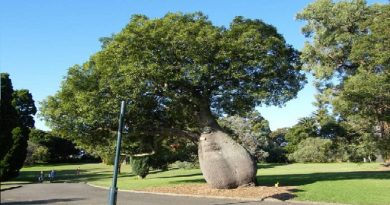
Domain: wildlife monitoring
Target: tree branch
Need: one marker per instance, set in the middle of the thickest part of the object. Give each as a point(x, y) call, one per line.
point(168, 132)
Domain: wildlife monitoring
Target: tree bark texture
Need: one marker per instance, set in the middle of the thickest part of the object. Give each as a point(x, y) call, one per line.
point(225, 164)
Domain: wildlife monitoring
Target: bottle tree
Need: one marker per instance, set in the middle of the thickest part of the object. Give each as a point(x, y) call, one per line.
point(180, 73)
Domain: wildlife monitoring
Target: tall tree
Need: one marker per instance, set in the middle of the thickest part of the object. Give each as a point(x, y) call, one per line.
point(8, 120)
point(17, 108)
point(180, 73)
point(8, 115)
point(350, 51)
point(24, 105)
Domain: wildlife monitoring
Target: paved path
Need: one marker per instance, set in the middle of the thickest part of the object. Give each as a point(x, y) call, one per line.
point(83, 194)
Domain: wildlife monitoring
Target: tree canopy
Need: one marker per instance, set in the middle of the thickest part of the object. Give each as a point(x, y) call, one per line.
point(170, 69)
point(179, 73)
point(349, 54)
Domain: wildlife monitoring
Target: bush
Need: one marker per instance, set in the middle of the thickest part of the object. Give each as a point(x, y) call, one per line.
point(108, 158)
point(60, 150)
point(140, 165)
point(312, 150)
point(14, 159)
point(36, 154)
point(171, 150)
point(41, 154)
point(276, 154)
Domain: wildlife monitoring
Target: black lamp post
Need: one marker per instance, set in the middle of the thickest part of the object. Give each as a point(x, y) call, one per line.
point(114, 188)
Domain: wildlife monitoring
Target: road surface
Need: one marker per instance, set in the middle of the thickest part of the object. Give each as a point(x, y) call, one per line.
point(83, 194)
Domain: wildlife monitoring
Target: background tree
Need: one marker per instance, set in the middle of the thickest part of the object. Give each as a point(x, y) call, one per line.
point(17, 110)
point(36, 154)
point(277, 153)
point(305, 128)
point(251, 131)
point(180, 73)
point(313, 150)
point(279, 136)
point(350, 52)
point(58, 149)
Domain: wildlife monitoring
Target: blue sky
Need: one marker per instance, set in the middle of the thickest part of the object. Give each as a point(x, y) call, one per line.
point(40, 40)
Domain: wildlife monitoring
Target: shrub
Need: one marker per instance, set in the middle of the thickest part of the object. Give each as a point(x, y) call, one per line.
point(140, 165)
point(312, 150)
point(276, 154)
point(171, 150)
point(36, 154)
point(41, 154)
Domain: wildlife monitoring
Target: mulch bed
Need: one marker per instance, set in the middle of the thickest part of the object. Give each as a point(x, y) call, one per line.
point(257, 193)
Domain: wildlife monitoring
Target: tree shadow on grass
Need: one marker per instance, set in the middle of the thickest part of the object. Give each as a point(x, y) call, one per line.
point(268, 166)
point(62, 176)
point(179, 176)
point(303, 179)
point(285, 195)
point(188, 181)
point(156, 171)
point(10, 188)
point(45, 201)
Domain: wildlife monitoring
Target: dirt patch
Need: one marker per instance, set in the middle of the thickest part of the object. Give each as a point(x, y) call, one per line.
point(259, 192)
point(384, 168)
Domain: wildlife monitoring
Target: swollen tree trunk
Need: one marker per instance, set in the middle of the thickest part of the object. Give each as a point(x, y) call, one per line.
point(225, 164)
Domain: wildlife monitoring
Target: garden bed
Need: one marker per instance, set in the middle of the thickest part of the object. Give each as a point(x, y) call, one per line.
point(256, 193)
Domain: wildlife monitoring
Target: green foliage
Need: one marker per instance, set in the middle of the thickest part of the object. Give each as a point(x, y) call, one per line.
point(172, 79)
point(276, 153)
point(251, 131)
point(365, 95)
point(279, 136)
point(140, 165)
point(174, 149)
point(24, 105)
point(41, 154)
point(350, 57)
point(17, 110)
point(14, 159)
point(365, 105)
point(306, 128)
point(107, 157)
point(36, 154)
point(58, 149)
point(312, 150)
point(8, 116)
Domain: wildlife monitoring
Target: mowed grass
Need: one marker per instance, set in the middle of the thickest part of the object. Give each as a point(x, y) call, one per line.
point(334, 182)
point(347, 183)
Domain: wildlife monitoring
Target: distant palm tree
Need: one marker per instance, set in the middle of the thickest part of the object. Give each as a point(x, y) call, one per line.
point(309, 124)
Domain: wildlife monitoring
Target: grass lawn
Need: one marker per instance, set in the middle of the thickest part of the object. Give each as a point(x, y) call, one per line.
point(335, 182)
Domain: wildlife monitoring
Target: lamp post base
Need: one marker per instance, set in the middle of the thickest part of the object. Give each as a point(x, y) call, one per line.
point(112, 197)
